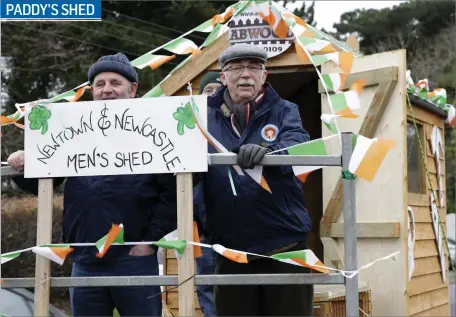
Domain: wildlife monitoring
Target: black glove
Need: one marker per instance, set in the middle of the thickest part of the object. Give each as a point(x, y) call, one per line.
point(250, 155)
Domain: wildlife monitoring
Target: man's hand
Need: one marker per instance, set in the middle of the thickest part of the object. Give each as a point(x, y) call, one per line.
point(142, 250)
point(16, 160)
point(250, 155)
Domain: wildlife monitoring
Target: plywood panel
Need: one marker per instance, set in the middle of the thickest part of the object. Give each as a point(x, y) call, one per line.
point(428, 300)
point(443, 310)
point(383, 199)
point(425, 283)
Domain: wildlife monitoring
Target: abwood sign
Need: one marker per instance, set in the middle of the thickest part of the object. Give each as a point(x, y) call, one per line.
point(129, 136)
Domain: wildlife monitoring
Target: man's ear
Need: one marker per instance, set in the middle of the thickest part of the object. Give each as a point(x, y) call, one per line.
point(133, 89)
point(223, 78)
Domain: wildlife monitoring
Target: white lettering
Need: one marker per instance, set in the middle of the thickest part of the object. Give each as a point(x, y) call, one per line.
point(55, 11)
point(9, 7)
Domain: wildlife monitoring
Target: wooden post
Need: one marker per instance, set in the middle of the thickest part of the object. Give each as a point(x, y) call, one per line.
point(43, 236)
point(185, 232)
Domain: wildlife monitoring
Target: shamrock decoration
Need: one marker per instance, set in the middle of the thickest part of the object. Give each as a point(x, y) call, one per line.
point(39, 117)
point(184, 117)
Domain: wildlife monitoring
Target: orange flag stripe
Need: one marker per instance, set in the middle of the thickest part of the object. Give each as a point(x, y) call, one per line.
point(346, 61)
point(160, 61)
point(235, 256)
point(112, 234)
point(373, 158)
point(61, 252)
point(196, 248)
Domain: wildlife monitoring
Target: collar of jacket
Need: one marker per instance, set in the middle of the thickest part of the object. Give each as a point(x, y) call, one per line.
point(216, 100)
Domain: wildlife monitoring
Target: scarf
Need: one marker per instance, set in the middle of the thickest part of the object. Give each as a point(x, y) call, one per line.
point(241, 113)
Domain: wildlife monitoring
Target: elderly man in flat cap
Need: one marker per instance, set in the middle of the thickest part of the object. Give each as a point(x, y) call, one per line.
point(145, 204)
point(254, 220)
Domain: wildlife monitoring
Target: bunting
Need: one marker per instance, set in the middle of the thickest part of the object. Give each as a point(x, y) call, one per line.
point(151, 60)
point(305, 258)
point(55, 253)
point(368, 155)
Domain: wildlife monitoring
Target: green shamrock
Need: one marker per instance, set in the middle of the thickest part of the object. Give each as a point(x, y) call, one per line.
point(39, 117)
point(184, 117)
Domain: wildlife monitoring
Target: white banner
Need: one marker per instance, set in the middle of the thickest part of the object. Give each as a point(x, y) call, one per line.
point(111, 137)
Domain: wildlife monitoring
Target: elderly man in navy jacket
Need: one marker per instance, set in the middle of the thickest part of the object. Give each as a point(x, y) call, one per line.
point(248, 117)
point(144, 204)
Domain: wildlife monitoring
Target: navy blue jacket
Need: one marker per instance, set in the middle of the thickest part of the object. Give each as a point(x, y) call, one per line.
point(144, 204)
point(255, 220)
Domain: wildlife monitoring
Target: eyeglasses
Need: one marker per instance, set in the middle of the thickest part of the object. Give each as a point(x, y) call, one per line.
point(238, 69)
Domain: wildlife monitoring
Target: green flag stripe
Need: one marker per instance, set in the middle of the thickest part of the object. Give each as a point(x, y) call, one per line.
point(203, 26)
point(338, 101)
point(316, 147)
point(213, 35)
point(178, 245)
point(155, 92)
point(328, 82)
point(290, 255)
point(146, 58)
point(318, 59)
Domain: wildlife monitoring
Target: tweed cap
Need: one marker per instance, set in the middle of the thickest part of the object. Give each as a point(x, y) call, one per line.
point(117, 63)
point(242, 51)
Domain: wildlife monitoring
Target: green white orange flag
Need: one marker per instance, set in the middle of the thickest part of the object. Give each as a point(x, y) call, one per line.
point(181, 46)
point(334, 81)
point(348, 99)
point(115, 235)
point(316, 45)
point(275, 21)
point(324, 146)
point(304, 258)
point(368, 155)
point(218, 30)
point(233, 255)
point(151, 60)
point(223, 17)
point(297, 25)
point(6, 257)
point(71, 95)
point(55, 253)
point(329, 119)
point(342, 59)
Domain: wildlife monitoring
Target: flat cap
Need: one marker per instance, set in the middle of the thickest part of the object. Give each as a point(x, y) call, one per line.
point(242, 51)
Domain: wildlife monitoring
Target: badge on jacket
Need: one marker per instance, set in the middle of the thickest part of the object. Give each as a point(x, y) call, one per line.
point(269, 132)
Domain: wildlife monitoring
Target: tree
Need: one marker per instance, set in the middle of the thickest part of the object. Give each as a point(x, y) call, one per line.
point(307, 14)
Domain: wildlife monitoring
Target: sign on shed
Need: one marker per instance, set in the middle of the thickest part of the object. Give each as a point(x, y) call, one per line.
point(110, 137)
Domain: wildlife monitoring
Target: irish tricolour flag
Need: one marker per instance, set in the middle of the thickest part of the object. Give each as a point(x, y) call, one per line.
point(323, 146)
point(233, 255)
point(6, 257)
point(115, 235)
point(304, 258)
point(55, 253)
point(368, 155)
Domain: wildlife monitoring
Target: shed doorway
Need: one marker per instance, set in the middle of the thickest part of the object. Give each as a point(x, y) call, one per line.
point(300, 86)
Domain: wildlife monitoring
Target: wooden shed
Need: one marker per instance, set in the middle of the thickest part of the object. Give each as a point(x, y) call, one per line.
point(383, 204)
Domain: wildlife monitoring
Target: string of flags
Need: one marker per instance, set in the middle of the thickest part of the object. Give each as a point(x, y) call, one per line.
point(304, 258)
point(437, 97)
